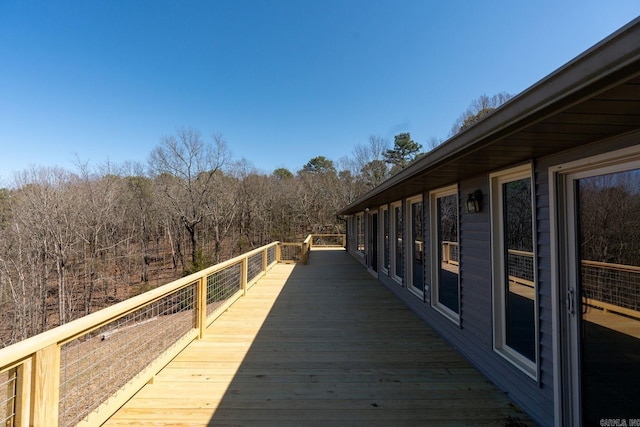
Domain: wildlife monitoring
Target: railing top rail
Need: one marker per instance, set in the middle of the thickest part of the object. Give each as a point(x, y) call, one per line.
point(519, 252)
point(16, 353)
point(611, 266)
point(586, 262)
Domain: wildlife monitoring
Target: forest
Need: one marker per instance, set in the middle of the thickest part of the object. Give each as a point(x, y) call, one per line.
point(76, 241)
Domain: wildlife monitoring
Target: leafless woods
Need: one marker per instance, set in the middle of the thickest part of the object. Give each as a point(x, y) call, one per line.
point(72, 242)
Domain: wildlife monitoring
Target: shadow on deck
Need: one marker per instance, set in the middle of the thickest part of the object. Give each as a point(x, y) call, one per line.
point(320, 344)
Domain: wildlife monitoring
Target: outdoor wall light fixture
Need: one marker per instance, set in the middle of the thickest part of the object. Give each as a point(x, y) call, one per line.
point(474, 202)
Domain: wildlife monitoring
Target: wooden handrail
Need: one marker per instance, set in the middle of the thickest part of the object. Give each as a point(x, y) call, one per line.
point(16, 353)
point(611, 266)
point(36, 360)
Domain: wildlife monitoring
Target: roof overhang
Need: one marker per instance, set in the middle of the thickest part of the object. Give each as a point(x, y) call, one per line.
point(593, 97)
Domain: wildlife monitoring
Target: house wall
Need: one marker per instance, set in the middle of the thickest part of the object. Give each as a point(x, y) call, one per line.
point(474, 336)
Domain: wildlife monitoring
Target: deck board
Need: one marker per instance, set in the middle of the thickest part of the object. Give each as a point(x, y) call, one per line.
point(319, 344)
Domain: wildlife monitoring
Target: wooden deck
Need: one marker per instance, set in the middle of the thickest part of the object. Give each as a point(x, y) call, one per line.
point(322, 344)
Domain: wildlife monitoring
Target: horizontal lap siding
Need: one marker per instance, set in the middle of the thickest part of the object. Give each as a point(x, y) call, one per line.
point(475, 270)
point(545, 291)
point(545, 312)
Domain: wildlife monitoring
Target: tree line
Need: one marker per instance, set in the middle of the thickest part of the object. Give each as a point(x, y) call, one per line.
point(76, 241)
point(73, 242)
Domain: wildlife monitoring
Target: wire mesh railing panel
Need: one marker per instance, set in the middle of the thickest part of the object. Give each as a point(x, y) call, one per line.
point(327, 240)
point(8, 380)
point(223, 284)
point(450, 251)
point(96, 365)
point(520, 265)
point(290, 252)
point(454, 253)
point(612, 284)
point(254, 266)
point(271, 255)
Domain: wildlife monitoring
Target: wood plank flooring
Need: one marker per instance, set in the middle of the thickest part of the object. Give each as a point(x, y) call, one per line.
point(323, 344)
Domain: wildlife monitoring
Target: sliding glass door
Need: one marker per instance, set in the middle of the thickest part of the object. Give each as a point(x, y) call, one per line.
point(602, 246)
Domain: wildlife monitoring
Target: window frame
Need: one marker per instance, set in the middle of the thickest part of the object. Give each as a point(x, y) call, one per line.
point(360, 226)
point(394, 242)
point(498, 264)
point(410, 245)
point(385, 239)
point(436, 250)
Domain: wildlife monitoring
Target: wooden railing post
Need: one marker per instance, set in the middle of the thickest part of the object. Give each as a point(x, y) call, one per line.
point(446, 252)
point(265, 260)
point(22, 407)
point(202, 306)
point(46, 386)
point(244, 274)
point(278, 253)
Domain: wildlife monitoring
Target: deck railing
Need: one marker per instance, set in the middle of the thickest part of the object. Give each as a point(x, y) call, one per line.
point(81, 372)
point(612, 287)
point(450, 252)
point(299, 252)
point(329, 240)
point(607, 286)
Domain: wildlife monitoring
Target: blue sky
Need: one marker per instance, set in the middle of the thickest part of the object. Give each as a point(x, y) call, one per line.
point(282, 80)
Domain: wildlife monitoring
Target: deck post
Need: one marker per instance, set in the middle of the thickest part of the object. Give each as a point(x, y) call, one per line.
point(244, 274)
point(46, 386)
point(202, 306)
point(265, 261)
point(22, 405)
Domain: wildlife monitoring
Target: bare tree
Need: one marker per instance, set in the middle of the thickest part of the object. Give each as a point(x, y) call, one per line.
point(221, 211)
point(193, 165)
point(48, 218)
point(101, 213)
point(479, 108)
point(433, 142)
point(252, 195)
point(370, 161)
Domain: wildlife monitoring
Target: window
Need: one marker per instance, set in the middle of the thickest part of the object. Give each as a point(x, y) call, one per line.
point(372, 244)
point(360, 233)
point(415, 223)
point(397, 244)
point(445, 271)
point(513, 260)
point(385, 237)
